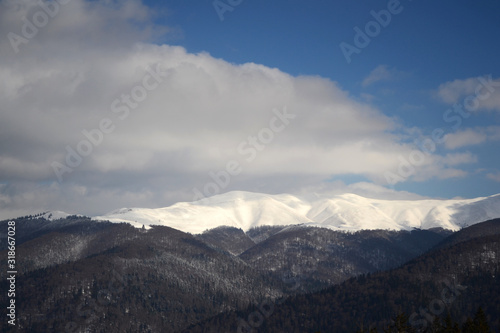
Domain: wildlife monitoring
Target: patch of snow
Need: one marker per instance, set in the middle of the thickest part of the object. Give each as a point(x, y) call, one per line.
point(54, 215)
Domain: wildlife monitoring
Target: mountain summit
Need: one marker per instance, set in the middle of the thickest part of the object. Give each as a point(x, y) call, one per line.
point(350, 212)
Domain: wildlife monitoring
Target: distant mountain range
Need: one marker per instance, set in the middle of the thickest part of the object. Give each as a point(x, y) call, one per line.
point(77, 274)
point(350, 212)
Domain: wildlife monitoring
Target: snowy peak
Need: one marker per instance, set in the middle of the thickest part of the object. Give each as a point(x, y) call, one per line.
point(352, 212)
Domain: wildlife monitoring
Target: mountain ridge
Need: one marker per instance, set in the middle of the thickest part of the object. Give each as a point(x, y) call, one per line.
point(349, 212)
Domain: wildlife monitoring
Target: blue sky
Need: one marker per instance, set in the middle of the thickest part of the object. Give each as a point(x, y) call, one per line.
point(221, 82)
point(435, 41)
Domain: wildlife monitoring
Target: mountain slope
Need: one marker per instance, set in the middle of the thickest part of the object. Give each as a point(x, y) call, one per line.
point(311, 258)
point(456, 279)
point(487, 228)
point(229, 239)
point(244, 210)
point(108, 277)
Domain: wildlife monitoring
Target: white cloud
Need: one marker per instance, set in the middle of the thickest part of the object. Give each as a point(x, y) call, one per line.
point(459, 158)
point(472, 136)
point(67, 78)
point(381, 73)
point(493, 133)
point(494, 176)
point(464, 138)
point(443, 167)
point(367, 97)
point(477, 93)
point(450, 92)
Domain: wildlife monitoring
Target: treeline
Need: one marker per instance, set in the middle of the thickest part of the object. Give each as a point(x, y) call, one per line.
point(454, 279)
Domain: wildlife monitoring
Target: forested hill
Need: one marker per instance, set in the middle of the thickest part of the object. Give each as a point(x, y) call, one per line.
point(455, 280)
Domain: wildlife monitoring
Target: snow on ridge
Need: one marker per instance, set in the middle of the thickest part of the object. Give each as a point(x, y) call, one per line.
point(348, 211)
point(54, 215)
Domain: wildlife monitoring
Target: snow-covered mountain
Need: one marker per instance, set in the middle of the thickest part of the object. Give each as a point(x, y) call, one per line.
point(341, 212)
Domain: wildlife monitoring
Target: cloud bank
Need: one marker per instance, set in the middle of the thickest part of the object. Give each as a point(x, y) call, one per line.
point(151, 122)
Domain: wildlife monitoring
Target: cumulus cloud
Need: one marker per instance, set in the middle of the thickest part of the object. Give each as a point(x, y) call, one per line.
point(150, 123)
point(477, 93)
